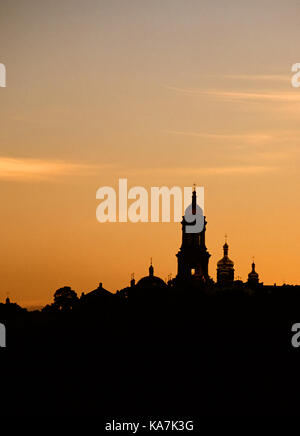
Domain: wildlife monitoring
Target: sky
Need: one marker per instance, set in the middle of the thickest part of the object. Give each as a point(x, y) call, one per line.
point(164, 94)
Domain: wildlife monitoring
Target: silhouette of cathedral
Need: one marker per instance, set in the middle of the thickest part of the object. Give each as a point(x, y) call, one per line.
point(192, 267)
point(192, 273)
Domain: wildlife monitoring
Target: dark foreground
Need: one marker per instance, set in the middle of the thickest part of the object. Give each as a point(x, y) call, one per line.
point(187, 356)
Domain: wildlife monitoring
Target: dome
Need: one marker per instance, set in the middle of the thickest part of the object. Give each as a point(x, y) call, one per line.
point(151, 280)
point(253, 275)
point(225, 261)
point(225, 268)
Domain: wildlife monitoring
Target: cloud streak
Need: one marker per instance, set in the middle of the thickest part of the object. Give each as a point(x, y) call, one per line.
point(183, 171)
point(283, 97)
point(29, 169)
point(259, 77)
point(246, 137)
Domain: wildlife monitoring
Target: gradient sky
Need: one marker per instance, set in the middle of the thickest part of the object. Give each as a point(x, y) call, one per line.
point(162, 93)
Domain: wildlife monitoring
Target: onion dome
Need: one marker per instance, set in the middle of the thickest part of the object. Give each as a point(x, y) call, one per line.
point(253, 275)
point(225, 267)
point(225, 261)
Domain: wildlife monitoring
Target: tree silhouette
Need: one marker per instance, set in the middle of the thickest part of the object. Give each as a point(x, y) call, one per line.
point(65, 298)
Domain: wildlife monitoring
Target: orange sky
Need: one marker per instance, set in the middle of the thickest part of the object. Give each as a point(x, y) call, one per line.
point(161, 93)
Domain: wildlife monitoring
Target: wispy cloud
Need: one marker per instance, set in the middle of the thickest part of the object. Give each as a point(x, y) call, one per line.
point(259, 77)
point(286, 97)
point(245, 137)
point(238, 170)
point(250, 77)
point(273, 139)
point(256, 96)
point(183, 171)
point(25, 168)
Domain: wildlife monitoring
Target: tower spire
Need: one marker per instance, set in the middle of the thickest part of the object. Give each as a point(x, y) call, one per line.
point(225, 246)
point(194, 199)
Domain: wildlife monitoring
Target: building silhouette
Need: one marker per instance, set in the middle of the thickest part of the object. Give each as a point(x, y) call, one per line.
point(192, 267)
point(192, 273)
point(193, 256)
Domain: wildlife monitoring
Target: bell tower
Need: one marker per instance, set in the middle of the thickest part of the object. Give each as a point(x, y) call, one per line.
point(193, 256)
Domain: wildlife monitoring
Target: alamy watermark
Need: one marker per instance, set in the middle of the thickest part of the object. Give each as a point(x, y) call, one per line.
point(146, 206)
point(295, 80)
point(2, 76)
point(2, 335)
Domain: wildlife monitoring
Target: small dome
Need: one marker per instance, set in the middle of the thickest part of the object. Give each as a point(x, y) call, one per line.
point(253, 275)
point(151, 280)
point(225, 267)
point(225, 262)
